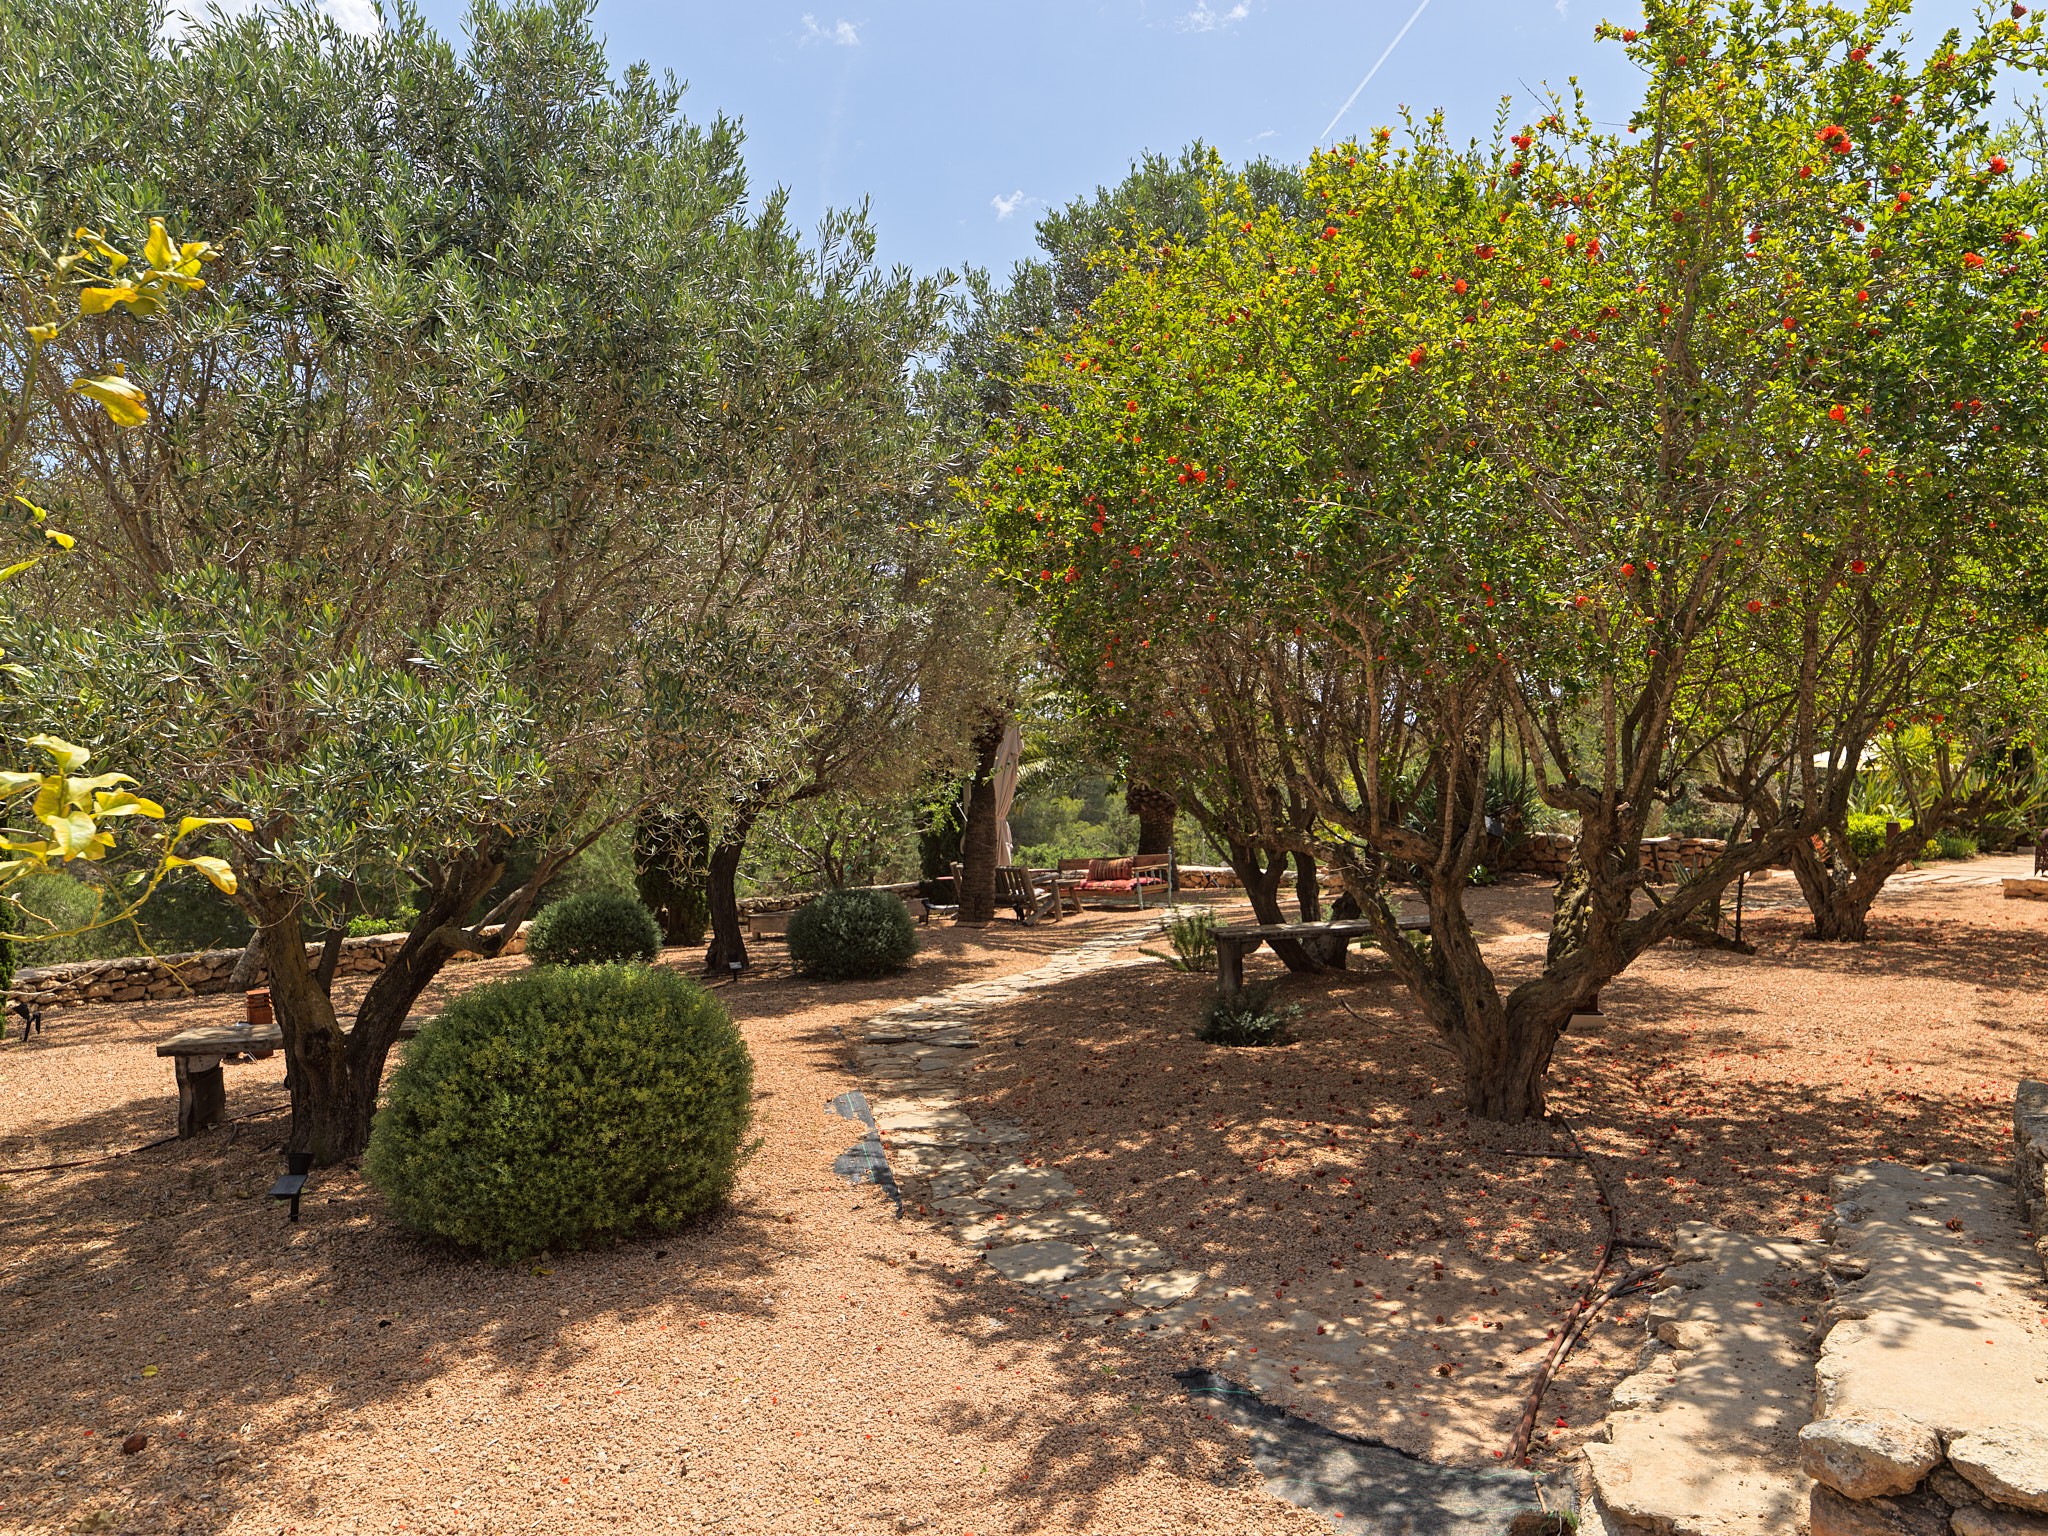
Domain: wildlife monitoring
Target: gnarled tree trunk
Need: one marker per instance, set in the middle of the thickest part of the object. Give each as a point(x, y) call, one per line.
point(978, 842)
point(335, 1074)
point(728, 950)
point(1155, 810)
point(1838, 897)
point(1260, 876)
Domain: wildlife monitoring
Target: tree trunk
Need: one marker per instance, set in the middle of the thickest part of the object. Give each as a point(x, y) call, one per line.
point(1332, 954)
point(669, 858)
point(1840, 897)
point(728, 951)
point(1155, 810)
point(1261, 883)
point(250, 966)
point(335, 1074)
point(979, 843)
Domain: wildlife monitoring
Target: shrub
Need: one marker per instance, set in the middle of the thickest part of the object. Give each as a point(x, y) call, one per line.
point(1955, 845)
point(1192, 932)
point(369, 925)
point(593, 928)
point(850, 935)
point(1866, 834)
point(1246, 1017)
point(565, 1108)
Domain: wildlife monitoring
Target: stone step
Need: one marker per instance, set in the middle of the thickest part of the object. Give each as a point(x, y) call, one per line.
point(1703, 1437)
point(1931, 1400)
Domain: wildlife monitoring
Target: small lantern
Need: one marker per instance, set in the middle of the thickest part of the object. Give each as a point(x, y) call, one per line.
point(297, 1166)
point(256, 1006)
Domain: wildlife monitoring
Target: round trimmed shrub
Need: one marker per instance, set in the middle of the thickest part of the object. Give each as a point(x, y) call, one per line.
point(851, 935)
point(565, 1108)
point(593, 928)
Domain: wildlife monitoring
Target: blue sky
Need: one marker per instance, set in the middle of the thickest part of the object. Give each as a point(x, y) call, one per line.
point(961, 120)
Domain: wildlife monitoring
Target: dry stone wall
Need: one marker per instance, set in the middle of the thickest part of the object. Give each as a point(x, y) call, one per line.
point(139, 978)
point(2030, 1162)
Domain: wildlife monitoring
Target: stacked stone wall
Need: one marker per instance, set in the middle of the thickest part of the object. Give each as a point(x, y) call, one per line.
point(141, 978)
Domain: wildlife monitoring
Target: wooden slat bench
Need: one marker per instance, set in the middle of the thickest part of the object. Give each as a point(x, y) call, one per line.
point(1233, 944)
point(199, 1054)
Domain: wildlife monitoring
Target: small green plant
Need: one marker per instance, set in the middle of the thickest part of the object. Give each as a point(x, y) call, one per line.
point(1192, 932)
point(851, 935)
point(593, 928)
point(565, 1108)
point(370, 924)
point(1246, 1017)
point(1954, 845)
point(1481, 875)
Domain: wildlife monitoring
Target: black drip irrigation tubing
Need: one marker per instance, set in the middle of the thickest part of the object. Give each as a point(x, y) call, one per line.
point(108, 1157)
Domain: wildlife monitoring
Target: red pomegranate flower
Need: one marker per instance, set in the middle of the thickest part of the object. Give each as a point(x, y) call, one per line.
point(1836, 413)
point(1628, 569)
point(1857, 567)
point(1415, 358)
point(1972, 260)
point(1998, 165)
point(1754, 606)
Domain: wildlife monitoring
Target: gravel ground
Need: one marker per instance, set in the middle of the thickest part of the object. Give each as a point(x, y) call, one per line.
point(1391, 1268)
point(803, 1362)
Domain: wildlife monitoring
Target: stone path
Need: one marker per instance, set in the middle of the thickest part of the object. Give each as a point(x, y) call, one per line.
point(1703, 1438)
point(1932, 1400)
point(978, 1175)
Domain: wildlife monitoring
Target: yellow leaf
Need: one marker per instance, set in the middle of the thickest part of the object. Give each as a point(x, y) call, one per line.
point(124, 402)
point(61, 540)
point(48, 332)
point(214, 869)
point(122, 803)
point(68, 757)
point(12, 784)
point(158, 250)
point(38, 513)
point(18, 567)
point(72, 834)
point(194, 823)
point(97, 301)
point(149, 1370)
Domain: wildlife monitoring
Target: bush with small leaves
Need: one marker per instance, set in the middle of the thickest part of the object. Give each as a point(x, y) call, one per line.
point(851, 935)
point(565, 1108)
point(593, 928)
point(1246, 1017)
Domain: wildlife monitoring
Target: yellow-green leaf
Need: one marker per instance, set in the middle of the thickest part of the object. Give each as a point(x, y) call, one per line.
point(97, 301)
point(124, 402)
point(61, 540)
point(68, 756)
point(214, 869)
point(158, 251)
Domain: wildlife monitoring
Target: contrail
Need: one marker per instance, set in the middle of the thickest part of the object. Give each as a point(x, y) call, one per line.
point(1374, 70)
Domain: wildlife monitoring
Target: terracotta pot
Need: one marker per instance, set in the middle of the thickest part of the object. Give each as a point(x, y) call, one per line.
point(258, 1003)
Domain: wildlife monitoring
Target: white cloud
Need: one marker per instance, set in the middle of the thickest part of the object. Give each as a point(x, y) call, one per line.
point(1255, 138)
point(1005, 206)
point(841, 33)
point(1207, 18)
point(1561, 10)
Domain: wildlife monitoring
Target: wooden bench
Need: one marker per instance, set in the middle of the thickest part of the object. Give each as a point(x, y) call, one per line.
point(1233, 944)
point(199, 1054)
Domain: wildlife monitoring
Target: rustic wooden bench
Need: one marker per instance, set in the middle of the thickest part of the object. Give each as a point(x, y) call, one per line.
point(1233, 944)
point(199, 1054)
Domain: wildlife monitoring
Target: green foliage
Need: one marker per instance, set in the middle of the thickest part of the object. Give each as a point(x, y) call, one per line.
point(1074, 816)
point(1246, 1017)
point(369, 924)
point(1867, 834)
point(593, 928)
point(563, 1109)
point(1192, 932)
point(851, 935)
point(1954, 845)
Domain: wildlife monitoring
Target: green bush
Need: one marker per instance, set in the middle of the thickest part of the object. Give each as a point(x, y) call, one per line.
point(851, 935)
point(565, 1108)
point(593, 928)
point(1866, 834)
point(1954, 845)
point(1192, 932)
point(1246, 1017)
point(369, 925)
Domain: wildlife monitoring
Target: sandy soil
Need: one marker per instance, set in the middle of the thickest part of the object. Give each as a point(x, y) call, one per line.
point(1390, 1267)
point(804, 1362)
point(801, 1363)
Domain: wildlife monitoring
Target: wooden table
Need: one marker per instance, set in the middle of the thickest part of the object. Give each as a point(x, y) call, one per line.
point(1066, 889)
point(199, 1054)
point(1233, 944)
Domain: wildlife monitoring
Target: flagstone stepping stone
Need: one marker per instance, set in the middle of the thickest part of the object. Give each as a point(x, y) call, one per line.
point(1120, 1250)
point(1027, 1188)
point(1090, 1293)
point(1042, 1263)
point(1069, 1223)
point(1164, 1290)
point(961, 1207)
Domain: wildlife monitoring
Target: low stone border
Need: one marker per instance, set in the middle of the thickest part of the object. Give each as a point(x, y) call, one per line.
point(2030, 1161)
point(138, 978)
